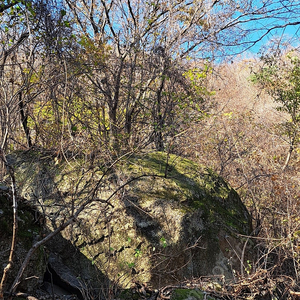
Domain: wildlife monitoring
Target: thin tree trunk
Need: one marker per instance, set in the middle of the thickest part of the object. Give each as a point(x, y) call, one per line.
point(24, 120)
point(158, 135)
point(288, 158)
point(113, 109)
point(15, 226)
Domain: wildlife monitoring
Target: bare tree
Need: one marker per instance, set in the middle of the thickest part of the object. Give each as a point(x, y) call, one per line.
point(18, 30)
point(119, 81)
point(134, 49)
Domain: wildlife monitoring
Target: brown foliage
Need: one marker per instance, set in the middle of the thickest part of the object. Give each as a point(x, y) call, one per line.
point(241, 141)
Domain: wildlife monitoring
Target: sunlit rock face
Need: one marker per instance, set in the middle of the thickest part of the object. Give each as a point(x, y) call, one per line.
point(174, 220)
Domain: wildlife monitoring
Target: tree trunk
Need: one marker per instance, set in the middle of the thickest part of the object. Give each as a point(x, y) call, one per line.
point(158, 118)
point(15, 225)
point(24, 120)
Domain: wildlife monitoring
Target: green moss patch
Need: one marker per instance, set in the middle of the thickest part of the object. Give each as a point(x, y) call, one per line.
point(193, 186)
point(168, 204)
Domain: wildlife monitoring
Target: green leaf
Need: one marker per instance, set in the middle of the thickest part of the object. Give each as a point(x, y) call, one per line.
point(67, 23)
point(164, 242)
point(130, 265)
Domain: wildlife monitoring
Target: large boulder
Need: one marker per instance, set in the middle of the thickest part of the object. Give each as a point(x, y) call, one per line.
point(152, 217)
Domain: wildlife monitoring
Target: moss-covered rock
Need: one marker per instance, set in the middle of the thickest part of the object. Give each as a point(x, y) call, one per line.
point(28, 232)
point(173, 220)
point(131, 294)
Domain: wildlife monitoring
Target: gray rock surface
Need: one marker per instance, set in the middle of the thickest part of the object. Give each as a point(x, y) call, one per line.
point(173, 221)
point(64, 277)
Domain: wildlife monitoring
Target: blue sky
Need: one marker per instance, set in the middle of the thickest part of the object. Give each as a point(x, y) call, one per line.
point(285, 36)
point(285, 12)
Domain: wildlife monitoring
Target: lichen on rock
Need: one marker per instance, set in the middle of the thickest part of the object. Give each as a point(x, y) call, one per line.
point(173, 220)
